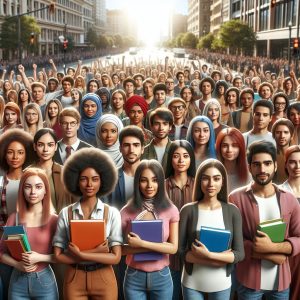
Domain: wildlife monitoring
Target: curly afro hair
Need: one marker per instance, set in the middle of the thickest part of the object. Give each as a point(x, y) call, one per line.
point(90, 158)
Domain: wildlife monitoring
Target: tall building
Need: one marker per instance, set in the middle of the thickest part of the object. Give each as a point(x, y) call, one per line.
point(270, 20)
point(70, 17)
point(199, 17)
point(178, 24)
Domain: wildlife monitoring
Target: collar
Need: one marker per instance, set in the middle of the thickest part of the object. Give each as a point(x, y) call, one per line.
point(74, 146)
point(77, 207)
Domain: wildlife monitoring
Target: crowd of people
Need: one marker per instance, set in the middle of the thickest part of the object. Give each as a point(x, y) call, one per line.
point(191, 145)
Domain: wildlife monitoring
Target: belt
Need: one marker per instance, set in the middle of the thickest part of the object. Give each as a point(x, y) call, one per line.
point(88, 268)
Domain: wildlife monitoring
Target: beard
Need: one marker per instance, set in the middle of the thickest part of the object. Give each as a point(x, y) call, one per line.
point(132, 161)
point(268, 179)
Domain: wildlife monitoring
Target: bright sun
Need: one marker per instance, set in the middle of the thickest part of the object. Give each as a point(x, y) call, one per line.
point(152, 19)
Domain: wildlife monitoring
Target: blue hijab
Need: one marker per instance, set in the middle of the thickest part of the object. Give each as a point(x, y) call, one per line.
point(87, 127)
point(211, 150)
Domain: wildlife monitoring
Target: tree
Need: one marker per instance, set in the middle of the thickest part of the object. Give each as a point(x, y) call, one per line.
point(189, 40)
point(91, 36)
point(118, 41)
point(179, 38)
point(9, 33)
point(206, 41)
point(237, 36)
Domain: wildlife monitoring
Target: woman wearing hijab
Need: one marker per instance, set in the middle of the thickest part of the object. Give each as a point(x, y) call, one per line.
point(107, 137)
point(105, 96)
point(90, 110)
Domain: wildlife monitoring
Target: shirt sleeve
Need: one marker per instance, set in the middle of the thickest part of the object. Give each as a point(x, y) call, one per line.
point(62, 235)
point(115, 235)
point(174, 214)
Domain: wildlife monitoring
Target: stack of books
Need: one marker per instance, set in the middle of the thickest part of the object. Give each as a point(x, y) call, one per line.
point(275, 229)
point(16, 241)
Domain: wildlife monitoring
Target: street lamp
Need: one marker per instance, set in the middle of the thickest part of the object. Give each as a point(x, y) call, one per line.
point(289, 48)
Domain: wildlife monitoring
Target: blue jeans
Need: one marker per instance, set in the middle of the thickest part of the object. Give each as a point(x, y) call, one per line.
point(37, 285)
point(245, 293)
point(138, 285)
point(190, 294)
point(5, 273)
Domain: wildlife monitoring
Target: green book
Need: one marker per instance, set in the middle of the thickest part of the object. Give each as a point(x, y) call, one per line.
point(275, 229)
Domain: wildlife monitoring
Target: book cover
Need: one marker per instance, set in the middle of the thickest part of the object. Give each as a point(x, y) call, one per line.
point(215, 239)
point(12, 230)
point(148, 230)
point(23, 238)
point(87, 234)
point(15, 248)
point(275, 229)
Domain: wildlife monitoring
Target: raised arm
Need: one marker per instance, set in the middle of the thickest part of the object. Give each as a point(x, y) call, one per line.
point(24, 77)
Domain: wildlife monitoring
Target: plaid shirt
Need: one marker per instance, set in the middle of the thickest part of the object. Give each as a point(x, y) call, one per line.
point(3, 208)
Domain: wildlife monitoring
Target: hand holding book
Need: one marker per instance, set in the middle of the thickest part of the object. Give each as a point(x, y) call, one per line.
point(262, 243)
point(200, 249)
point(134, 240)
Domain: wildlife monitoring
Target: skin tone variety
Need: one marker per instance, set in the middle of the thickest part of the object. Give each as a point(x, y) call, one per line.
point(89, 108)
point(160, 129)
point(230, 151)
point(69, 127)
point(11, 118)
point(136, 116)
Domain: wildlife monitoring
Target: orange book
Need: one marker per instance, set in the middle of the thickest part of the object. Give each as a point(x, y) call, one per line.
point(87, 234)
point(16, 248)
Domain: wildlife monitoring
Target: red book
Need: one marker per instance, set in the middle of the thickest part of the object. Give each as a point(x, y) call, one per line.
point(16, 248)
point(87, 234)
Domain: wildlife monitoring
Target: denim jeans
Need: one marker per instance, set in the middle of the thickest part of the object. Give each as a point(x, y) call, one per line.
point(190, 294)
point(140, 285)
point(245, 293)
point(37, 285)
point(5, 273)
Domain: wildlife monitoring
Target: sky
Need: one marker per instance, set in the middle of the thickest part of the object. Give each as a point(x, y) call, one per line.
point(180, 6)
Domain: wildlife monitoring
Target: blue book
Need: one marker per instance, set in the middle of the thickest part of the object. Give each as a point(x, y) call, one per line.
point(148, 230)
point(215, 239)
point(17, 230)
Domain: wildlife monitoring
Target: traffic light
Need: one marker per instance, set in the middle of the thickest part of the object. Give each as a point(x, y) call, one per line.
point(51, 8)
point(296, 46)
point(273, 3)
point(31, 38)
point(65, 45)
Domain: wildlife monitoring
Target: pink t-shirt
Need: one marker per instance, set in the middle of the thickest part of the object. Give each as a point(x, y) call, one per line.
point(169, 215)
point(40, 238)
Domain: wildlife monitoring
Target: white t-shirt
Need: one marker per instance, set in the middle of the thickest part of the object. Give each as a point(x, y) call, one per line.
point(128, 186)
point(178, 131)
point(160, 151)
point(66, 101)
point(268, 210)
point(205, 278)
point(12, 189)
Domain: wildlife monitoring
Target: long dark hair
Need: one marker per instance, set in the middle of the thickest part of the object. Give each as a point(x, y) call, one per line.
point(198, 194)
point(162, 200)
point(188, 147)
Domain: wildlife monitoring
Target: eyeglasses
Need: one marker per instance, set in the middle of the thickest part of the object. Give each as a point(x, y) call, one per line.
point(179, 107)
point(65, 124)
point(169, 82)
point(31, 114)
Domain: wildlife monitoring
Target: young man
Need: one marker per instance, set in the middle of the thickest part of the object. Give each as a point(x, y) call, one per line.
point(52, 89)
point(138, 78)
point(262, 114)
point(265, 91)
point(180, 84)
point(131, 147)
point(170, 88)
point(180, 126)
point(161, 121)
point(282, 132)
point(242, 118)
point(265, 269)
point(148, 85)
point(38, 95)
point(69, 119)
point(129, 87)
point(67, 85)
point(206, 86)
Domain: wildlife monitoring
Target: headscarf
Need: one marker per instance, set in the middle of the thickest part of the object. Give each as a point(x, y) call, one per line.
point(86, 130)
point(105, 91)
point(114, 150)
point(136, 100)
point(211, 142)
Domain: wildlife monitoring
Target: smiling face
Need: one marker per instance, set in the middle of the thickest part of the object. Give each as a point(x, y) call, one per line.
point(45, 147)
point(34, 190)
point(148, 184)
point(181, 160)
point(89, 183)
point(108, 134)
point(10, 116)
point(90, 108)
point(211, 182)
point(293, 165)
point(201, 133)
point(15, 155)
point(53, 110)
point(31, 116)
point(117, 101)
point(229, 148)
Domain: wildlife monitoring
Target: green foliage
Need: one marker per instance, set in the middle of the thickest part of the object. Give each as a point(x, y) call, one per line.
point(189, 40)
point(118, 41)
point(91, 36)
point(9, 33)
point(237, 36)
point(206, 41)
point(178, 40)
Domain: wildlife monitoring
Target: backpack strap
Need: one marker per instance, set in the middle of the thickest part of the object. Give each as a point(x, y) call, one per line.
point(70, 212)
point(105, 214)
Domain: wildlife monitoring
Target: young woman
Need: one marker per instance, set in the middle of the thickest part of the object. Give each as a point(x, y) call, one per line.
point(45, 145)
point(92, 86)
point(207, 272)
point(281, 104)
point(80, 84)
point(7, 86)
point(289, 88)
point(212, 110)
point(32, 277)
point(52, 111)
point(89, 273)
point(149, 202)
point(24, 98)
point(32, 116)
point(76, 95)
point(105, 96)
point(231, 151)
point(293, 114)
point(187, 94)
point(201, 136)
point(220, 91)
point(179, 186)
point(118, 99)
point(2, 105)
point(231, 104)
point(12, 96)
point(107, 82)
point(90, 110)
point(11, 117)
point(108, 129)
point(292, 184)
